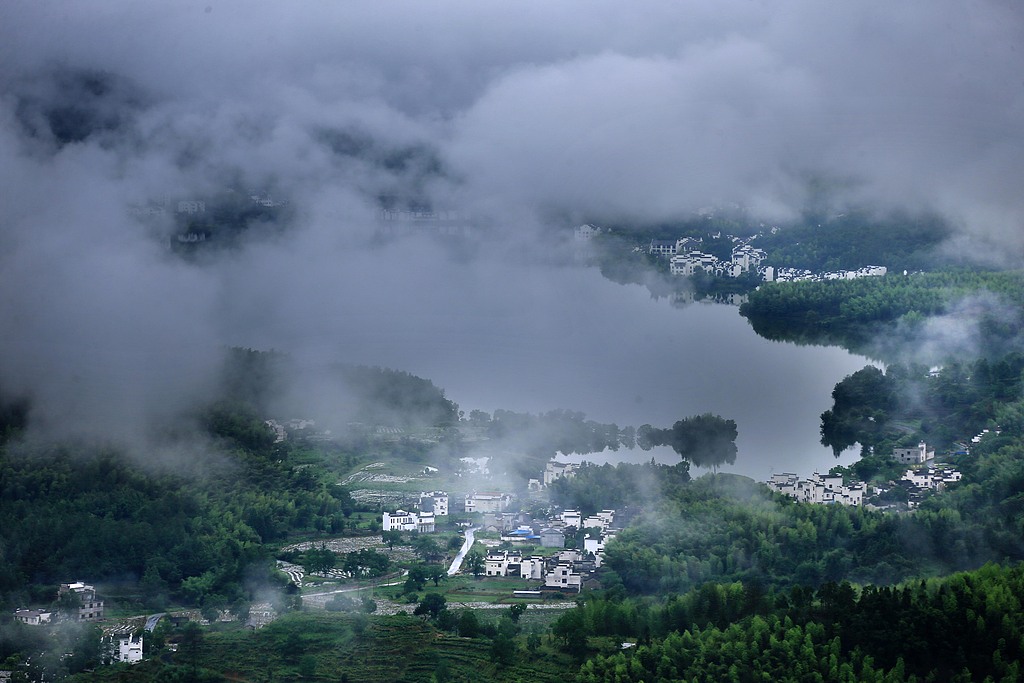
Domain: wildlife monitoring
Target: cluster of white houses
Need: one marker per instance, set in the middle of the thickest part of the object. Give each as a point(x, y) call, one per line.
point(829, 488)
point(121, 644)
point(771, 274)
point(691, 259)
point(922, 481)
point(565, 570)
point(823, 489)
point(933, 478)
point(686, 258)
point(434, 504)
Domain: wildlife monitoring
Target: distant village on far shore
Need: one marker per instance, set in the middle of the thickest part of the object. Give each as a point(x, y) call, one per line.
point(686, 258)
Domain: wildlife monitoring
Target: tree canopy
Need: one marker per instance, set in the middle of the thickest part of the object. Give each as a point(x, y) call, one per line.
point(703, 440)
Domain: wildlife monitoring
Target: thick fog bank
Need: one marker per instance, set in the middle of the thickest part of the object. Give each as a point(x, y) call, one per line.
point(283, 135)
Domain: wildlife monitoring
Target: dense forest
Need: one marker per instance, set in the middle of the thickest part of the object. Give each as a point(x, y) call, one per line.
point(965, 627)
point(192, 528)
point(882, 315)
point(852, 240)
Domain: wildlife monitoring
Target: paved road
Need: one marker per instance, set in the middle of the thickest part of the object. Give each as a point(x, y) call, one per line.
point(457, 562)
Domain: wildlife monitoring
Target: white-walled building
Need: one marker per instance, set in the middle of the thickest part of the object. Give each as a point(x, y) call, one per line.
point(436, 502)
point(662, 247)
point(747, 257)
point(33, 617)
point(401, 520)
point(487, 502)
point(556, 470)
point(690, 263)
point(572, 518)
point(936, 478)
point(821, 489)
point(913, 456)
point(502, 563)
point(532, 568)
point(595, 546)
point(603, 520)
point(563, 577)
point(126, 647)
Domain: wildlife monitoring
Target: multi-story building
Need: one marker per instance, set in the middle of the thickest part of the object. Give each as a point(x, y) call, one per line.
point(503, 563)
point(572, 518)
point(602, 520)
point(125, 647)
point(90, 606)
point(487, 502)
point(401, 520)
point(556, 470)
point(564, 578)
point(436, 502)
point(913, 456)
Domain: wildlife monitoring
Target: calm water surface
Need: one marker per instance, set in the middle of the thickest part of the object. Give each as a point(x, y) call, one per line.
point(535, 340)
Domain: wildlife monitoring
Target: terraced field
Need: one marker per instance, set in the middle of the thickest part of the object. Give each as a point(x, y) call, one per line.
point(388, 650)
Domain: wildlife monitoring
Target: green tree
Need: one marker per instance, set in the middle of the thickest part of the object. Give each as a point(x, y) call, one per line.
point(432, 604)
point(503, 650)
point(307, 666)
point(475, 563)
point(426, 547)
point(469, 624)
point(391, 538)
point(516, 610)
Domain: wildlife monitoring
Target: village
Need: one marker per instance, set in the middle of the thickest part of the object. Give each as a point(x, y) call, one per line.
point(510, 554)
point(557, 555)
point(686, 258)
point(559, 569)
point(918, 481)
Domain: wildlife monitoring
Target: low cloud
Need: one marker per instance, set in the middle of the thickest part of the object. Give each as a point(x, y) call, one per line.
point(509, 116)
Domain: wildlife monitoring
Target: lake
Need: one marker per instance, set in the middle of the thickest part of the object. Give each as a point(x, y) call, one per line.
point(533, 338)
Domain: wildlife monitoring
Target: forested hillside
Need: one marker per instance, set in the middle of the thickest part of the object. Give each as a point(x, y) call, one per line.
point(861, 313)
point(966, 627)
point(188, 529)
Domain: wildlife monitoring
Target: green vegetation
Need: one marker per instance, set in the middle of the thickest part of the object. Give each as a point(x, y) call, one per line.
point(854, 240)
point(702, 440)
point(856, 312)
point(816, 243)
point(325, 646)
point(966, 627)
point(596, 487)
point(906, 403)
point(94, 514)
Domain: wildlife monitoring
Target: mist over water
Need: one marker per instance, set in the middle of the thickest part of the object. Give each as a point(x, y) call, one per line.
point(530, 122)
point(566, 338)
